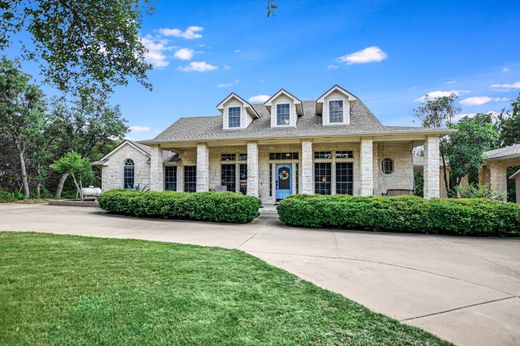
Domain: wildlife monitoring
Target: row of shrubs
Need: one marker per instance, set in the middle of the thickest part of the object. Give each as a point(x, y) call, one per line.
point(202, 206)
point(472, 216)
point(7, 196)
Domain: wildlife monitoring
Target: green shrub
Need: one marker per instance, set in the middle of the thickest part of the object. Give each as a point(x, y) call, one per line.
point(476, 216)
point(480, 191)
point(6, 196)
point(203, 206)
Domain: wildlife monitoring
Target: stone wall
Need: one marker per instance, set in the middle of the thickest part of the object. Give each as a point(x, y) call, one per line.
point(112, 173)
point(402, 176)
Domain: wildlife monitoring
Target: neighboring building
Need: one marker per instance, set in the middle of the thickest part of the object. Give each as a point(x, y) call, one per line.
point(331, 145)
point(494, 172)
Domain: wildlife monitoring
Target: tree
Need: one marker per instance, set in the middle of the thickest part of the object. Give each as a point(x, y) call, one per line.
point(81, 44)
point(88, 126)
point(439, 112)
point(22, 112)
point(474, 136)
point(509, 124)
point(80, 169)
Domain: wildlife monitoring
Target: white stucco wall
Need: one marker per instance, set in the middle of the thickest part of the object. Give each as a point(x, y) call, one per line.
point(112, 173)
point(336, 95)
point(245, 118)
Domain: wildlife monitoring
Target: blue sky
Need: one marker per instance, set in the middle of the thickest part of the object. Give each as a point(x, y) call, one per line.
point(389, 53)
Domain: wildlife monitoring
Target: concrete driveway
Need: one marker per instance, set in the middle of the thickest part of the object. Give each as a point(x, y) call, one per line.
point(465, 290)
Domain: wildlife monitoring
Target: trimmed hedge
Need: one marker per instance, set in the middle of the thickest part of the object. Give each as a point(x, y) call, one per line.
point(202, 206)
point(471, 216)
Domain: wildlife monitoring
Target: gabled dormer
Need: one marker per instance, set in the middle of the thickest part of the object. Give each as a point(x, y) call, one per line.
point(334, 106)
point(237, 113)
point(284, 108)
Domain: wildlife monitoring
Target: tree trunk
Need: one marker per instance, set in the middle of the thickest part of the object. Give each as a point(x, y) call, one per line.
point(59, 188)
point(39, 184)
point(25, 182)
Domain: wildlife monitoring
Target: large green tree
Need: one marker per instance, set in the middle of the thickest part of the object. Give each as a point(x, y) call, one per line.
point(439, 112)
point(22, 113)
point(474, 136)
point(508, 124)
point(80, 44)
point(87, 125)
point(79, 168)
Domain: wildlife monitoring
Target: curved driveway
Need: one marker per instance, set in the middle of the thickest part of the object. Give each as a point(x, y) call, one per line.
point(465, 290)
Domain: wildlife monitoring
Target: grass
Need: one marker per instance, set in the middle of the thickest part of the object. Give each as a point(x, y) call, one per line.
point(57, 289)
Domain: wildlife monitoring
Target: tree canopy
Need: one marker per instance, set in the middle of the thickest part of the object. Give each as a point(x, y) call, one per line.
point(88, 44)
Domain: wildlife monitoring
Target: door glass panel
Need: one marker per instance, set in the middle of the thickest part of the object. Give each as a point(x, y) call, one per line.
point(284, 178)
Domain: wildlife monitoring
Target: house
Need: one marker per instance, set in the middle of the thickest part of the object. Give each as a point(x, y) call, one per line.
point(494, 172)
point(330, 145)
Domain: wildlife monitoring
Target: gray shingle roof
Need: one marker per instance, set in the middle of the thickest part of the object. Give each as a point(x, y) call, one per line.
point(503, 153)
point(362, 121)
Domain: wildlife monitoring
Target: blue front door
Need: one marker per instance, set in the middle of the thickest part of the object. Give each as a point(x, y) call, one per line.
point(283, 181)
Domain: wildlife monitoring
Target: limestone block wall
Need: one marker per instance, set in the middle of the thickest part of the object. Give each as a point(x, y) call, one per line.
point(402, 177)
point(112, 173)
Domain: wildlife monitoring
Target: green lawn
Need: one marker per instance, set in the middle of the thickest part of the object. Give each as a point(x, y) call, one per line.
point(76, 290)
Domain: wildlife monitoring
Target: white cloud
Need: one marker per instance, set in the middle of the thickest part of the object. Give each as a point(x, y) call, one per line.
point(369, 54)
point(440, 93)
point(190, 33)
point(238, 50)
point(198, 66)
point(259, 98)
point(139, 129)
point(227, 67)
point(480, 100)
point(184, 54)
point(450, 82)
point(507, 86)
point(506, 69)
point(332, 67)
point(227, 85)
point(155, 52)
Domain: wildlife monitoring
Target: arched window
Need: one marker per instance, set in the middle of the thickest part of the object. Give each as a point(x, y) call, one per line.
point(128, 175)
point(387, 165)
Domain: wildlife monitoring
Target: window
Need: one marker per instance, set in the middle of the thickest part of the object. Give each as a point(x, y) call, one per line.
point(322, 178)
point(190, 178)
point(344, 154)
point(234, 117)
point(128, 174)
point(243, 179)
point(228, 177)
point(344, 178)
point(243, 157)
point(336, 111)
point(282, 114)
point(170, 178)
point(323, 155)
point(387, 165)
point(283, 156)
point(228, 157)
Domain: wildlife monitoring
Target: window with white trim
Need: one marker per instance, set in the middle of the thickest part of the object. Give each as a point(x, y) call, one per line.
point(129, 174)
point(336, 111)
point(233, 117)
point(283, 114)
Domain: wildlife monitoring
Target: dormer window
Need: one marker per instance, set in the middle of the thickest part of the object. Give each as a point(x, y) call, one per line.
point(234, 117)
point(283, 116)
point(336, 111)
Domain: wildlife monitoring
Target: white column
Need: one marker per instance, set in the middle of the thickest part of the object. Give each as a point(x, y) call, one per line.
point(431, 167)
point(202, 168)
point(180, 178)
point(156, 169)
point(497, 177)
point(367, 167)
point(252, 169)
point(306, 167)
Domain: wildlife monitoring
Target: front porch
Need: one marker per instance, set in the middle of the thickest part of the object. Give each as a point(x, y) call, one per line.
point(273, 169)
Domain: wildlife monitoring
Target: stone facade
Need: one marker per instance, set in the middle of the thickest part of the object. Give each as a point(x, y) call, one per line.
point(368, 179)
point(431, 167)
point(112, 170)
